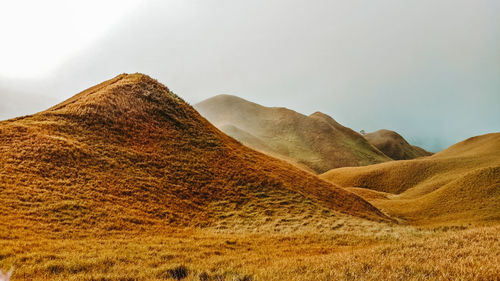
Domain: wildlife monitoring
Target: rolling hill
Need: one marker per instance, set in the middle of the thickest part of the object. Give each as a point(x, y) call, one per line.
point(395, 146)
point(317, 141)
point(128, 154)
point(459, 184)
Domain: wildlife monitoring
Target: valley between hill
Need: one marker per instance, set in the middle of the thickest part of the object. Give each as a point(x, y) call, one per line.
point(459, 185)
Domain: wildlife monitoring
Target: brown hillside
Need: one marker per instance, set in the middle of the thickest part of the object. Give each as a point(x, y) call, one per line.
point(461, 183)
point(394, 145)
point(130, 154)
point(315, 141)
point(474, 146)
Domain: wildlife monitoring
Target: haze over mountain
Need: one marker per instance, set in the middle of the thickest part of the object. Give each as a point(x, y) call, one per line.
point(316, 141)
point(394, 145)
point(128, 153)
point(343, 58)
point(458, 185)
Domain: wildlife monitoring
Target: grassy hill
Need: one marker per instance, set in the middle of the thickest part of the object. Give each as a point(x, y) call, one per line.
point(395, 146)
point(128, 154)
point(317, 141)
point(459, 184)
point(125, 181)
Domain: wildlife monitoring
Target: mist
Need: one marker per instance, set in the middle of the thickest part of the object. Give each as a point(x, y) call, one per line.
point(429, 70)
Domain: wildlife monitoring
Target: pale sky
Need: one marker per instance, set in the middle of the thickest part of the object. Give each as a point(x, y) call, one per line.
point(429, 70)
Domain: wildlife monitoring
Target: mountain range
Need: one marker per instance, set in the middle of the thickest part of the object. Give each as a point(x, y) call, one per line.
point(128, 153)
point(127, 181)
point(316, 142)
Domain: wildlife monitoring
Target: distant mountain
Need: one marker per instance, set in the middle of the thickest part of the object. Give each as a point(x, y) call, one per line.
point(317, 141)
point(128, 154)
point(394, 145)
point(459, 184)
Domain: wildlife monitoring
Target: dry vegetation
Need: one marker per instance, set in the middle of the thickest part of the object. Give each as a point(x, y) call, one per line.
point(316, 142)
point(458, 185)
point(129, 154)
point(385, 254)
point(125, 181)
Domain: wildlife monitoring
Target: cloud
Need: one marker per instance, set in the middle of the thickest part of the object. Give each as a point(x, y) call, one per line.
point(39, 36)
point(429, 70)
point(14, 103)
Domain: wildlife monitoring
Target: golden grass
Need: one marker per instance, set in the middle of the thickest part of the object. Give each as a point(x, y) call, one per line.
point(317, 141)
point(125, 181)
point(129, 154)
point(459, 184)
point(385, 254)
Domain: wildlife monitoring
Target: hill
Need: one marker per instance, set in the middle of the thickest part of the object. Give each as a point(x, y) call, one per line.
point(316, 141)
point(395, 146)
point(459, 184)
point(474, 146)
point(129, 154)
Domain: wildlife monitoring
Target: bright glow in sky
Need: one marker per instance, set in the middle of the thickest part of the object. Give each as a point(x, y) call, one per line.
point(37, 36)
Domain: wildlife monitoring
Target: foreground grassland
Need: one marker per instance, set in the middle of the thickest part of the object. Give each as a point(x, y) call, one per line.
point(392, 253)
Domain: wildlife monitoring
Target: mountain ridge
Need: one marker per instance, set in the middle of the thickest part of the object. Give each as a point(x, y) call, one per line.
point(316, 141)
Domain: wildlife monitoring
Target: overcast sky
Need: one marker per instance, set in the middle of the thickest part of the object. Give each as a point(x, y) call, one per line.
point(429, 70)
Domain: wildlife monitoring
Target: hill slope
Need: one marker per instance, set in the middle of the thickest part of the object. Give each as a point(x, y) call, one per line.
point(461, 183)
point(130, 154)
point(316, 141)
point(394, 145)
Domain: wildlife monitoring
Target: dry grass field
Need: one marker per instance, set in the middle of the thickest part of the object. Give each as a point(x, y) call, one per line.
point(383, 253)
point(459, 185)
point(126, 181)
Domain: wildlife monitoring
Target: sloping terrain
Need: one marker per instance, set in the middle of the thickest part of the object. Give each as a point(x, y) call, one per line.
point(316, 141)
point(259, 145)
point(128, 154)
point(395, 146)
point(125, 181)
point(461, 183)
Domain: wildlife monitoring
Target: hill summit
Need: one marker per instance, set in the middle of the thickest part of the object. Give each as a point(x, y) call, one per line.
point(130, 154)
point(395, 146)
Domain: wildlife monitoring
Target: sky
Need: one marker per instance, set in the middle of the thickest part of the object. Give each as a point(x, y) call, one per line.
point(429, 70)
